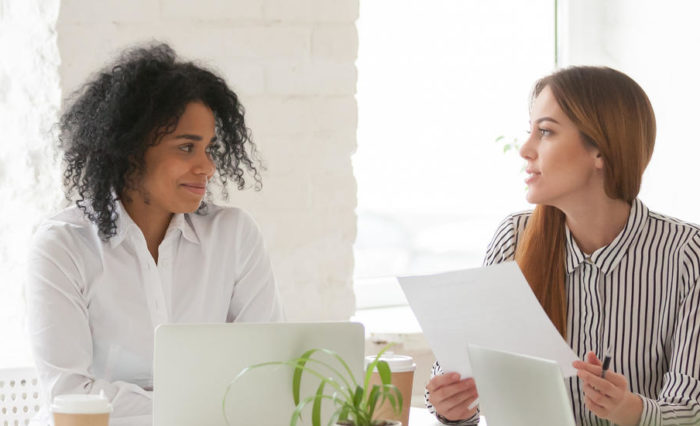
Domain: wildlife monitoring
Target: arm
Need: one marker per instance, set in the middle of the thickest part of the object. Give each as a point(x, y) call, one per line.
point(59, 326)
point(255, 296)
point(679, 399)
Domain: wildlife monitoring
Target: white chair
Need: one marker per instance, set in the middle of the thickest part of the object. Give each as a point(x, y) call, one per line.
point(20, 396)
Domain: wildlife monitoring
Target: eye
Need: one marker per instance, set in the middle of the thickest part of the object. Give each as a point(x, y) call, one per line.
point(544, 132)
point(188, 147)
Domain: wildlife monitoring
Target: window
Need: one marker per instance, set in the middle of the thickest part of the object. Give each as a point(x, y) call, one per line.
point(438, 83)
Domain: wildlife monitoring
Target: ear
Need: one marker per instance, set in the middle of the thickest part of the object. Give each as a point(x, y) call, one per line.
point(598, 160)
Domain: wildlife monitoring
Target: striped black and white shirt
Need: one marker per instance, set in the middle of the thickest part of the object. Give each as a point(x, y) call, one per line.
point(640, 296)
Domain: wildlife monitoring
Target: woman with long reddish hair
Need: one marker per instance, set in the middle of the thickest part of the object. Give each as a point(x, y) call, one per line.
point(610, 274)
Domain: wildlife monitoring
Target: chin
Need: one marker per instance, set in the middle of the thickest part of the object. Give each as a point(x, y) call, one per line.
point(189, 207)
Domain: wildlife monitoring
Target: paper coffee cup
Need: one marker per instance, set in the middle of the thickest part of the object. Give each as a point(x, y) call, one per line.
point(81, 410)
point(402, 370)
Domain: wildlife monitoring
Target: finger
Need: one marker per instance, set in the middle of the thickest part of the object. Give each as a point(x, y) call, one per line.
point(442, 380)
point(596, 408)
point(460, 400)
point(600, 384)
point(593, 359)
point(462, 410)
point(616, 379)
point(448, 391)
point(597, 397)
point(585, 366)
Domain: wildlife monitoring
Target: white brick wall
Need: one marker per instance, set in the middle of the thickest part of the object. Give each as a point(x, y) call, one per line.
point(29, 176)
point(292, 62)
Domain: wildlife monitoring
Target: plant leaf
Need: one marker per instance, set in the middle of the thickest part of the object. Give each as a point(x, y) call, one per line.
point(296, 414)
point(500, 138)
point(316, 410)
point(372, 365)
point(372, 400)
point(384, 372)
point(296, 378)
point(357, 399)
point(398, 405)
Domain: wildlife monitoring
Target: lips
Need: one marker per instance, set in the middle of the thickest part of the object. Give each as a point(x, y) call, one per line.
point(195, 188)
point(532, 175)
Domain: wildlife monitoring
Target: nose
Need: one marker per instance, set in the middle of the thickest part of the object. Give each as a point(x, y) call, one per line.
point(205, 165)
point(527, 150)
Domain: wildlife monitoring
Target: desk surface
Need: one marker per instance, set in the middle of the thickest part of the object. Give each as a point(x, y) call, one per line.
point(422, 417)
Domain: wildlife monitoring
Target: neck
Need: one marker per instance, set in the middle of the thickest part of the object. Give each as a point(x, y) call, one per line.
point(152, 222)
point(596, 222)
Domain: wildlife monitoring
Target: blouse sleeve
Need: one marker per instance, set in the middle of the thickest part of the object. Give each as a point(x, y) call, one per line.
point(679, 399)
point(59, 329)
point(255, 295)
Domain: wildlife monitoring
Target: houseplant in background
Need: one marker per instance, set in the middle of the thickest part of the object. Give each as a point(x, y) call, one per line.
point(354, 402)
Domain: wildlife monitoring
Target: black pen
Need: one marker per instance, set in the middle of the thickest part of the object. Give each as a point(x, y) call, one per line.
point(606, 362)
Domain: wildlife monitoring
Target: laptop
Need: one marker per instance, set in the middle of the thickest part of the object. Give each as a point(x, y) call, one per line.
point(519, 390)
point(194, 364)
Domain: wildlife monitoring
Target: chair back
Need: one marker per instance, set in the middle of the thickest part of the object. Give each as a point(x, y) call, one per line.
point(20, 396)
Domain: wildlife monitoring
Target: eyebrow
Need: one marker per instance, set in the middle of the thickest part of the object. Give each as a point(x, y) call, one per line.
point(191, 137)
point(541, 119)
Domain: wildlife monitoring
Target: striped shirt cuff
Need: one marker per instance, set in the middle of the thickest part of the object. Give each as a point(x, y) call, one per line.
point(472, 421)
point(651, 412)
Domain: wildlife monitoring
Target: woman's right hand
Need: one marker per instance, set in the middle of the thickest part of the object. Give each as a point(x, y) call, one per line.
point(452, 397)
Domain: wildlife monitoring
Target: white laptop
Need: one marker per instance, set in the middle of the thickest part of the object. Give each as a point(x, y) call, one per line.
point(194, 364)
point(519, 390)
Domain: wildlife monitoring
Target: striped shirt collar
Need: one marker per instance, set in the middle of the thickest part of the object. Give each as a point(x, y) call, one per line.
point(608, 257)
point(125, 224)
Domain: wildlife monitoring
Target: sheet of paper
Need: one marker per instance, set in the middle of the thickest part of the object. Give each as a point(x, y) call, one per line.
point(493, 307)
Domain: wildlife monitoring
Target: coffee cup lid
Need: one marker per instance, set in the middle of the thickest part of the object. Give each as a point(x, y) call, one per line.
point(397, 363)
point(81, 404)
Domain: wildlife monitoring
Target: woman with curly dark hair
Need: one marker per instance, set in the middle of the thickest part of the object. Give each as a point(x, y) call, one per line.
point(141, 143)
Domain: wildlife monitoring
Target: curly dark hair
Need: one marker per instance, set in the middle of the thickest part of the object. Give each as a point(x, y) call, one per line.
point(128, 107)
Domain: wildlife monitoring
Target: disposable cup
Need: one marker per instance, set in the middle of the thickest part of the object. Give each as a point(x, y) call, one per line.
point(81, 410)
point(402, 370)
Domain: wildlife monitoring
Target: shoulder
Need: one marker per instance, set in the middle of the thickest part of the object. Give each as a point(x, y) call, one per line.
point(216, 216)
point(505, 239)
point(69, 229)
point(225, 223)
point(512, 226)
point(681, 234)
point(672, 224)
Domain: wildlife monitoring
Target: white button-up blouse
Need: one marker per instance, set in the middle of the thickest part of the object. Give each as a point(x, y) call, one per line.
point(93, 305)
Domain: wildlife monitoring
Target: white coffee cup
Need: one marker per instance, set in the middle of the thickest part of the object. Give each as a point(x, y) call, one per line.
point(81, 410)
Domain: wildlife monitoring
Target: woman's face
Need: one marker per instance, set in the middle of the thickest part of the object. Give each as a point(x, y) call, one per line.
point(561, 167)
point(179, 166)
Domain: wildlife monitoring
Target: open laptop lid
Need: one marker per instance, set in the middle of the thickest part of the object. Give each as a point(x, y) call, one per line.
point(520, 390)
point(194, 364)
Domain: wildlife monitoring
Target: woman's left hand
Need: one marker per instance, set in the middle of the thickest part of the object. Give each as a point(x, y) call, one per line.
point(609, 397)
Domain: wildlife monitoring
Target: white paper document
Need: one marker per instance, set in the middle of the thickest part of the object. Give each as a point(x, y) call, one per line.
point(493, 307)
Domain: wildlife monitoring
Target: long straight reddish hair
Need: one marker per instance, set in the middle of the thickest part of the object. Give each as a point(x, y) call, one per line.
point(612, 113)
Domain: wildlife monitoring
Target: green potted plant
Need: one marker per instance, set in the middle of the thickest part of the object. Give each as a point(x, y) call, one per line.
point(354, 402)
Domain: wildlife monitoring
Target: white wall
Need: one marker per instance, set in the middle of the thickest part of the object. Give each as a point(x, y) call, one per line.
point(29, 176)
point(656, 43)
point(292, 62)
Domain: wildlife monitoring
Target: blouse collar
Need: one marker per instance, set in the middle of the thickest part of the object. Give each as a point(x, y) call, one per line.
point(608, 257)
point(125, 225)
